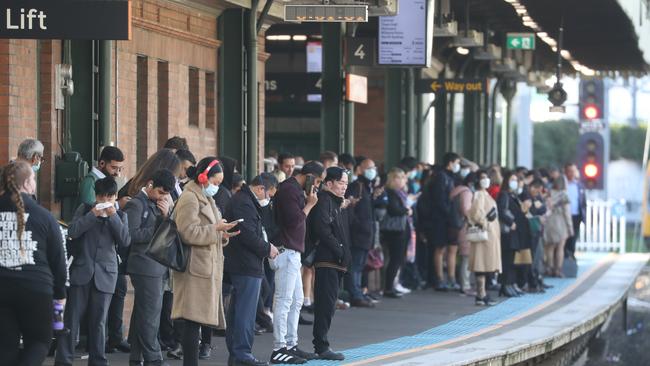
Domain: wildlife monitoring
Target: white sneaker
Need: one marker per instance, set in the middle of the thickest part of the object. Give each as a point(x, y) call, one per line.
point(402, 289)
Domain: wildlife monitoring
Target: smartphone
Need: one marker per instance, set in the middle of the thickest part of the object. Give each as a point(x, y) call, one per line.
point(239, 220)
point(309, 184)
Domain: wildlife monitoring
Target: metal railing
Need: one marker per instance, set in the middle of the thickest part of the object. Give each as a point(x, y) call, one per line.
point(604, 227)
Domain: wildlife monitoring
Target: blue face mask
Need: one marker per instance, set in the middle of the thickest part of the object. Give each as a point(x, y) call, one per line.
point(416, 187)
point(413, 174)
point(210, 190)
point(36, 167)
point(418, 174)
point(370, 174)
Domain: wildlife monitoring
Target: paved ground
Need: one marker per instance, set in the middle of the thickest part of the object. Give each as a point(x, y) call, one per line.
point(355, 327)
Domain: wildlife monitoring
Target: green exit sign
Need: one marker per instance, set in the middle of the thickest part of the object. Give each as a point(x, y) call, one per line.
point(520, 41)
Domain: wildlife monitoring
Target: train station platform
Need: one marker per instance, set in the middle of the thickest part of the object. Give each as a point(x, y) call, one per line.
point(431, 328)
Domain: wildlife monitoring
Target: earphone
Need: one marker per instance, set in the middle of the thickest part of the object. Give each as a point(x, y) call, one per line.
point(203, 177)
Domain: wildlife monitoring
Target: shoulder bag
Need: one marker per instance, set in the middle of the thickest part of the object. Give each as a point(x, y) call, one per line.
point(167, 248)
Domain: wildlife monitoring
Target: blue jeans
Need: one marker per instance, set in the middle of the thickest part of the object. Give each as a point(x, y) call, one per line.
point(353, 277)
point(241, 316)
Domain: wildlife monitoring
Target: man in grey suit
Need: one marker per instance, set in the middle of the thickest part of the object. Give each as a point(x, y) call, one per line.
point(96, 231)
point(146, 211)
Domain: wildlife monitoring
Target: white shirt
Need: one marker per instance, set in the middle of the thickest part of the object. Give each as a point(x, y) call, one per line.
point(574, 197)
point(98, 173)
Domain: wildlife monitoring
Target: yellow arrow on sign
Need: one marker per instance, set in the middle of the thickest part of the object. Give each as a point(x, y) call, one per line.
point(435, 86)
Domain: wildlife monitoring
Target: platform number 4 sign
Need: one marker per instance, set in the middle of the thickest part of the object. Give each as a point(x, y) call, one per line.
point(360, 51)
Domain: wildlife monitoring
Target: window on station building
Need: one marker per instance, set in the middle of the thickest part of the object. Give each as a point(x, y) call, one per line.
point(193, 86)
point(210, 100)
point(142, 109)
point(163, 103)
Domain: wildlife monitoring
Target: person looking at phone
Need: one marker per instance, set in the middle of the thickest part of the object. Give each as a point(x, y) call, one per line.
point(245, 266)
point(294, 200)
point(197, 291)
point(145, 213)
point(96, 232)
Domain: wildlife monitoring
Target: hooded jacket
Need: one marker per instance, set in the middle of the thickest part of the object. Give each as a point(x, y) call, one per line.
point(326, 225)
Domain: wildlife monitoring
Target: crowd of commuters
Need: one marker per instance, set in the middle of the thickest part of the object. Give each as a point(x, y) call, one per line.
point(305, 238)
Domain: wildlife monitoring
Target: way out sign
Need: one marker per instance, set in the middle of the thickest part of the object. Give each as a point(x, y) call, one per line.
point(520, 41)
point(425, 86)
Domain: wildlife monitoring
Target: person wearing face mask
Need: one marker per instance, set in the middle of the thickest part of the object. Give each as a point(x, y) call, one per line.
point(33, 270)
point(244, 257)
point(514, 232)
point(362, 227)
point(97, 232)
point(485, 256)
point(437, 226)
point(197, 291)
point(31, 152)
point(326, 226)
point(461, 197)
point(145, 213)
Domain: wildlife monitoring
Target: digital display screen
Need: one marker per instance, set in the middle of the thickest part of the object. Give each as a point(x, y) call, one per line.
point(403, 38)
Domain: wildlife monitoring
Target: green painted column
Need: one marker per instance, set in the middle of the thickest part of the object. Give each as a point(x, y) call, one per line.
point(469, 126)
point(231, 84)
point(394, 137)
point(411, 113)
point(440, 127)
point(105, 72)
point(252, 93)
point(332, 106)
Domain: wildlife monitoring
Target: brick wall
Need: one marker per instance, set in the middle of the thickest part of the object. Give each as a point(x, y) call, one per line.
point(369, 126)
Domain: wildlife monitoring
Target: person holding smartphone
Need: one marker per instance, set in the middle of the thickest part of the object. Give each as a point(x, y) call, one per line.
point(294, 200)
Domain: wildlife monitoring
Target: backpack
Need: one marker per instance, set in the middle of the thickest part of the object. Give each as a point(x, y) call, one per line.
point(71, 244)
point(457, 219)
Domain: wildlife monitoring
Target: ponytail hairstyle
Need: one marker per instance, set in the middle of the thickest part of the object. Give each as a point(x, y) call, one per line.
point(13, 177)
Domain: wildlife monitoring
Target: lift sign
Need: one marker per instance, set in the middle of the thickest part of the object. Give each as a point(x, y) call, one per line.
point(65, 19)
point(426, 86)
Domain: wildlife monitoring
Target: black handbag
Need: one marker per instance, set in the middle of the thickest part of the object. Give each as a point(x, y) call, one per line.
point(393, 223)
point(167, 248)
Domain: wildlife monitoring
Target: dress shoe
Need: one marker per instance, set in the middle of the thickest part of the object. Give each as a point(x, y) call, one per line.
point(308, 308)
point(303, 321)
point(302, 354)
point(362, 303)
point(205, 351)
point(252, 362)
point(176, 353)
point(392, 294)
point(331, 356)
point(123, 347)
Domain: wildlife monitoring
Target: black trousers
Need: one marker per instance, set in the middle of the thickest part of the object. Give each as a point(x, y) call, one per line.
point(170, 335)
point(326, 290)
point(509, 275)
point(570, 246)
point(396, 243)
point(190, 343)
point(115, 320)
point(28, 313)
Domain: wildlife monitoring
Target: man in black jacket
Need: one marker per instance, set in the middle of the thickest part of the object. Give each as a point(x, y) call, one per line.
point(332, 257)
point(362, 231)
point(244, 263)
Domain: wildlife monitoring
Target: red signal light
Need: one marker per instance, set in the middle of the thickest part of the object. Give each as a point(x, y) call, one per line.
point(591, 170)
point(591, 111)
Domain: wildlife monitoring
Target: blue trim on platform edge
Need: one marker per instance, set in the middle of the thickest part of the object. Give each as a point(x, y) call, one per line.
point(468, 324)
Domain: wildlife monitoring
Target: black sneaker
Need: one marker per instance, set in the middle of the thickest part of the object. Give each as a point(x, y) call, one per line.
point(331, 356)
point(205, 351)
point(176, 353)
point(283, 356)
point(302, 354)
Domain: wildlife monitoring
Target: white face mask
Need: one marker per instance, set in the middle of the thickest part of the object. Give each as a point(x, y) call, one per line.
point(513, 185)
point(464, 172)
point(265, 202)
point(520, 190)
point(485, 183)
point(455, 168)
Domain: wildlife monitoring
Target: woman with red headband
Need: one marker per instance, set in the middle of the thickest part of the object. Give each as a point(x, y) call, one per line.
point(197, 291)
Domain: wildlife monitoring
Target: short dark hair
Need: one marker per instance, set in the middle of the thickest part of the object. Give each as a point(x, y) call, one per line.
point(408, 163)
point(537, 182)
point(359, 159)
point(313, 167)
point(347, 159)
point(203, 165)
point(176, 143)
point(105, 187)
point(334, 173)
point(328, 155)
point(284, 156)
point(267, 180)
point(111, 153)
point(449, 157)
point(165, 179)
point(186, 155)
point(237, 180)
